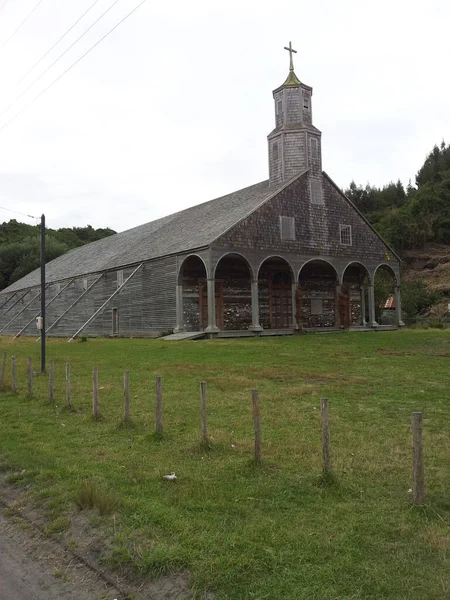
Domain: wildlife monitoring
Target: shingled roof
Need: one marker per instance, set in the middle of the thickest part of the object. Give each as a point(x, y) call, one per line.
point(194, 227)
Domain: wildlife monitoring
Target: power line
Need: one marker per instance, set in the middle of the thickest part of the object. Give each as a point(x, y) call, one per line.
point(48, 51)
point(18, 212)
point(72, 65)
point(3, 5)
point(59, 57)
point(22, 23)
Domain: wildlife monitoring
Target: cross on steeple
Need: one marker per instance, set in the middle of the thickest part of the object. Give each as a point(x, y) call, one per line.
point(290, 50)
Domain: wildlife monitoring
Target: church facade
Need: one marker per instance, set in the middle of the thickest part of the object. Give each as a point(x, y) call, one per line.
point(290, 253)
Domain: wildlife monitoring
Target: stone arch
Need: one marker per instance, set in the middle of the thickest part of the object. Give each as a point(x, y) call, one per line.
point(233, 275)
point(386, 267)
point(316, 295)
point(275, 288)
point(385, 282)
point(182, 266)
point(318, 259)
point(236, 255)
point(353, 295)
point(193, 309)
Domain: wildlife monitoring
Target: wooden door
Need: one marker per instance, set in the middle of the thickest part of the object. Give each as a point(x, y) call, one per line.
point(203, 299)
point(344, 306)
point(280, 301)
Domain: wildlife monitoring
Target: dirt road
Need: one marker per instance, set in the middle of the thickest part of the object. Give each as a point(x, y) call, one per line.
point(33, 567)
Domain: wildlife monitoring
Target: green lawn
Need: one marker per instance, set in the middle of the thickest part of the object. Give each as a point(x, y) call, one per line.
point(273, 532)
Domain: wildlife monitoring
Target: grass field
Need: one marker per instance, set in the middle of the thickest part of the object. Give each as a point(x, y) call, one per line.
point(274, 532)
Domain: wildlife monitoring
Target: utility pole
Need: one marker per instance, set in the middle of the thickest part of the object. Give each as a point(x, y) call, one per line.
point(42, 320)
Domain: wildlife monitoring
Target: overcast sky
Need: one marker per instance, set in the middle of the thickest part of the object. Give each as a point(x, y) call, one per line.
point(173, 108)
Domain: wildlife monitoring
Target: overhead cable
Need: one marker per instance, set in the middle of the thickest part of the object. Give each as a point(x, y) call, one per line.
point(18, 212)
point(59, 58)
point(3, 5)
point(48, 51)
point(72, 65)
point(22, 23)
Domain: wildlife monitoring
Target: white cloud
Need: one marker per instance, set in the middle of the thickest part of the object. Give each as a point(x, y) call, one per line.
point(174, 107)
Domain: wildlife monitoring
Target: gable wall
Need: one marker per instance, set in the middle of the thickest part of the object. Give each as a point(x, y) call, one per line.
point(316, 226)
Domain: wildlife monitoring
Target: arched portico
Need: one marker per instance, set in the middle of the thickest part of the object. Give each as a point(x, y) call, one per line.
point(276, 286)
point(353, 298)
point(233, 293)
point(387, 299)
point(316, 295)
point(192, 299)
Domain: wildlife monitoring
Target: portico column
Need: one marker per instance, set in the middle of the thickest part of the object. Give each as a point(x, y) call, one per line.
point(371, 290)
point(179, 309)
point(255, 326)
point(294, 306)
point(398, 306)
point(363, 306)
point(337, 305)
point(211, 291)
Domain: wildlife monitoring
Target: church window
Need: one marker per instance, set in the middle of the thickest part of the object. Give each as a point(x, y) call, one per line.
point(275, 150)
point(119, 278)
point(287, 228)
point(314, 148)
point(305, 103)
point(279, 107)
point(85, 284)
point(316, 192)
point(115, 321)
point(57, 289)
point(345, 233)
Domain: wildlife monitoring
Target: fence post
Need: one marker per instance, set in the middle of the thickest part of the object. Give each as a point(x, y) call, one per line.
point(126, 396)
point(418, 470)
point(257, 425)
point(159, 424)
point(326, 452)
point(95, 392)
point(30, 376)
point(51, 381)
point(68, 401)
point(13, 374)
point(2, 371)
point(204, 431)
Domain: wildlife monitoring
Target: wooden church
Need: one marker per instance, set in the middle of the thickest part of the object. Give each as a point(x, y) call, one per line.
point(287, 254)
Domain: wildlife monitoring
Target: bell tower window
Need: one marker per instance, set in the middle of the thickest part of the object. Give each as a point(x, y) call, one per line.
point(275, 151)
point(279, 107)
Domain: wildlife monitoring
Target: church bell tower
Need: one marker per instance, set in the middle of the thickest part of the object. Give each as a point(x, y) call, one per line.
point(294, 144)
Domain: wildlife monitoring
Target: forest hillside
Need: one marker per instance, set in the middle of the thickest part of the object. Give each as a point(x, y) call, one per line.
point(20, 246)
point(415, 221)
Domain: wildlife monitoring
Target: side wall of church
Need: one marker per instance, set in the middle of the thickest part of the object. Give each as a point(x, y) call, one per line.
point(145, 307)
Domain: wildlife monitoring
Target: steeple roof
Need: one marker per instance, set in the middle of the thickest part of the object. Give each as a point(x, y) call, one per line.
point(292, 79)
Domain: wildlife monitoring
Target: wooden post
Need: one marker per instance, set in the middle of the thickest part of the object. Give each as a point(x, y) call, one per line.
point(418, 471)
point(51, 381)
point(203, 412)
point(257, 425)
point(159, 424)
point(68, 399)
point(95, 392)
point(126, 396)
point(2, 371)
point(326, 453)
point(30, 376)
point(13, 374)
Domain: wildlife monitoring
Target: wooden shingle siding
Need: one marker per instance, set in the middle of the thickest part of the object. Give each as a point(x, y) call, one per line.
point(146, 304)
